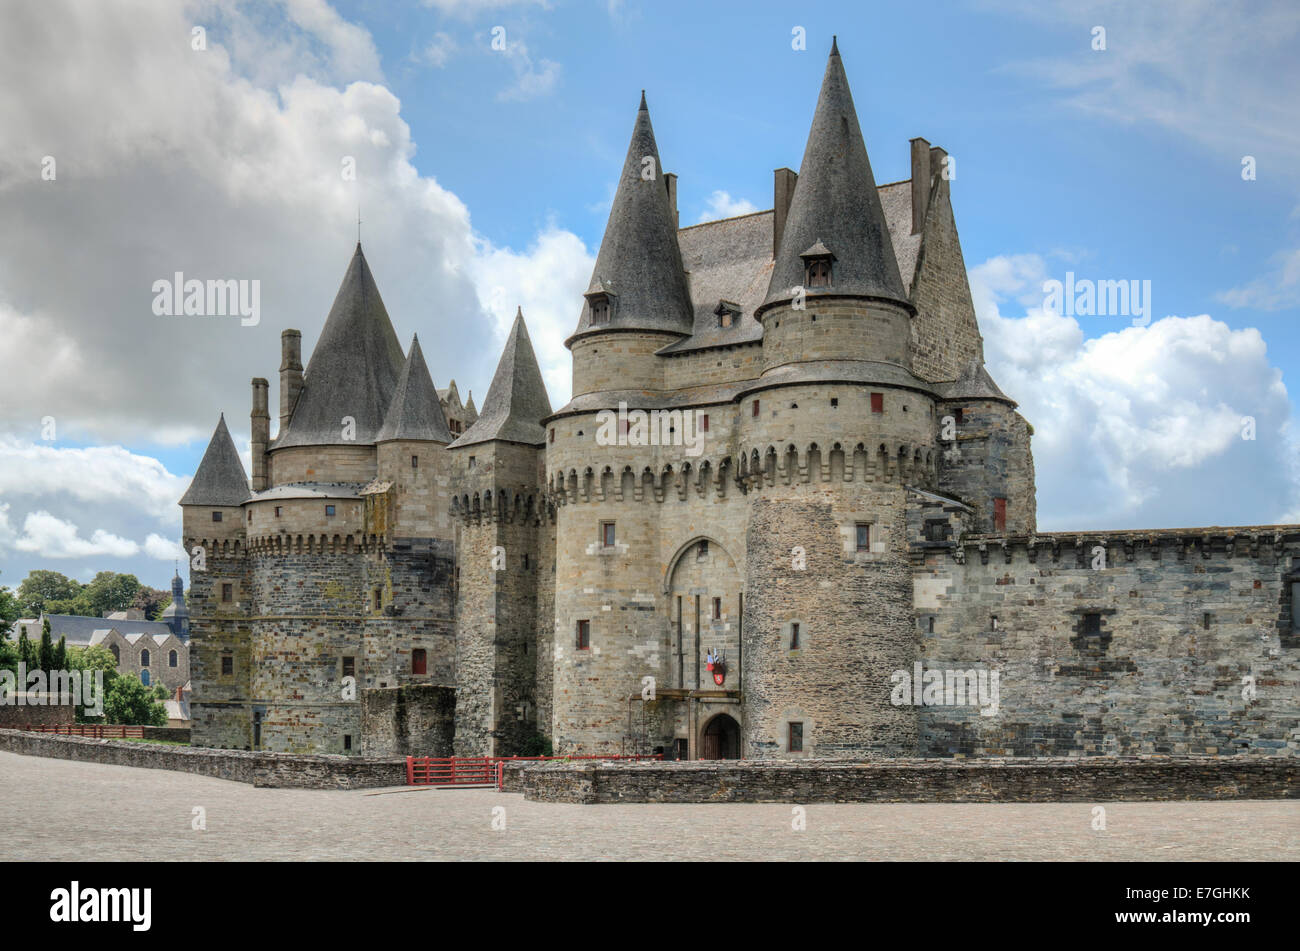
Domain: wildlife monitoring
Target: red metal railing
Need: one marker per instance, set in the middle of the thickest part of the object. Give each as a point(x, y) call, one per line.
point(96, 730)
point(482, 770)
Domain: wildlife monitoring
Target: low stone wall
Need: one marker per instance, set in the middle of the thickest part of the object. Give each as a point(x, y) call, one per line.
point(176, 734)
point(278, 770)
point(13, 717)
point(1095, 779)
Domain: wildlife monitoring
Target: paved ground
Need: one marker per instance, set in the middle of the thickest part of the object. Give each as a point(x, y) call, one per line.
point(56, 809)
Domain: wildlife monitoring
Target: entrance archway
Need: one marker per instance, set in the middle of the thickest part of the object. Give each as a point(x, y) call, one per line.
point(720, 739)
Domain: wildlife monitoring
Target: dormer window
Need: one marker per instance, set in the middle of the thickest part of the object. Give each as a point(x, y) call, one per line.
point(601, 304)
point(817, 262)
point(728, 313)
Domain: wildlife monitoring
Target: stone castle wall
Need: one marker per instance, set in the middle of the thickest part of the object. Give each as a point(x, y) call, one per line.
point(1184, 618)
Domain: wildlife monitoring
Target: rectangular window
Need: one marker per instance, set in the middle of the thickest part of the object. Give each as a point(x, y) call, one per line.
point(877, 402)
point(835, 402)
point(216, 516)
point(584, 635)
point(796, 737)
point(525, 562)
point(794, 636)
point(755, 411)
point(277, 511)
point(717, 609)
point(347, 741)
point(349, 666)
point(250, 515)
point(227, 593)
point(552, 437)
point(702, 552)
point(1092, 625)
point(329, 510)
point(379, 599)
point(607, 534)
point(472, 462)
point(418, 661)
point(227, 665)
point(704, 423)
point(415, 462)
point(862, 531)
point(999, 515)
point(956, 416)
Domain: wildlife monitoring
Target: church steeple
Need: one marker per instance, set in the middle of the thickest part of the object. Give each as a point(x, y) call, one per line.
point(835, 241)
point(177, 614)
point(516, 402)
point(638, 282)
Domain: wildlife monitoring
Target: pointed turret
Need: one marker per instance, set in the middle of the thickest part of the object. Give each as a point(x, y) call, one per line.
point(516, 402)
point(638, 282)
point(470, 409)
point(352, 372)
point(416, 411)
point(220, 479)
point(835, 215)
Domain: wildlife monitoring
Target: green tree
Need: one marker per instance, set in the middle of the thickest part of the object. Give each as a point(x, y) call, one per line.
point(26, 650)
point(152, 601)
point(45, 654)
point(8, 655)
point(127, 701)
point(160, 692)
point(108, 591)
point(10, 609)
point(41, 587)
point(61, 654)
point(93, 658)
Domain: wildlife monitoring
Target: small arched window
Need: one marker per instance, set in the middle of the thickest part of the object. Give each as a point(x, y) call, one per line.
point(144, 677)
point(117, 653)
point(144, 658)
point(819, 272)
point(171, 659)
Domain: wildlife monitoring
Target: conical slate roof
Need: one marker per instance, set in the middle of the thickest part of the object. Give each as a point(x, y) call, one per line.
point(974, 383)
point(353, 370)
point(220, 479)
point(516, 402)
point(416, 411)
point(835, 204)
point(639, 263)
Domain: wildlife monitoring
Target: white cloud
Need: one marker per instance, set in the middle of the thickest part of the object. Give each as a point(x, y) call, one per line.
point(155, 546)
point(1140, 427)
point(1277, 289)
point(439, 50)
point(1207, 70)
point(52, 537)
point(547, 281)
point(722, 205)
point(96, 475)
point(531, 79)
point(469, 8)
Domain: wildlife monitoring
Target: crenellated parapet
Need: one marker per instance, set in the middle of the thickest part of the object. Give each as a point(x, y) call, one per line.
point(1083, 549)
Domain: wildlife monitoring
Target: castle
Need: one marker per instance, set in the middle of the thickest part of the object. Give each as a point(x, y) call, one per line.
point(830, 527)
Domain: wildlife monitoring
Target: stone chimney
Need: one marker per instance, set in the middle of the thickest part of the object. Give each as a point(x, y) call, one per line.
point(261, 435)
point(290, 374)
point(920, 183)
point(783, 183)
point(670, 180)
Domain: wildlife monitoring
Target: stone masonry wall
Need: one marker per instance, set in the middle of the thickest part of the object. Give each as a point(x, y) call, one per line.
point(1184, 628)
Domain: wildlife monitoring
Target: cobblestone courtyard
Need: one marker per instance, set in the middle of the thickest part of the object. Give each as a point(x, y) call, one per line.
point(57, 809)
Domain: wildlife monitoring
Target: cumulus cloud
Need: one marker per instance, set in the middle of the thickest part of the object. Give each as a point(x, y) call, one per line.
point(439, 50)
point(52, 537)
point(155, 546)
point(547, 281)
point(722, 205)
point(1140, 427)
point(97, 475)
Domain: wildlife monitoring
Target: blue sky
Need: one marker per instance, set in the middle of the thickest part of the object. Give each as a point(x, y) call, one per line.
point(484, 182)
